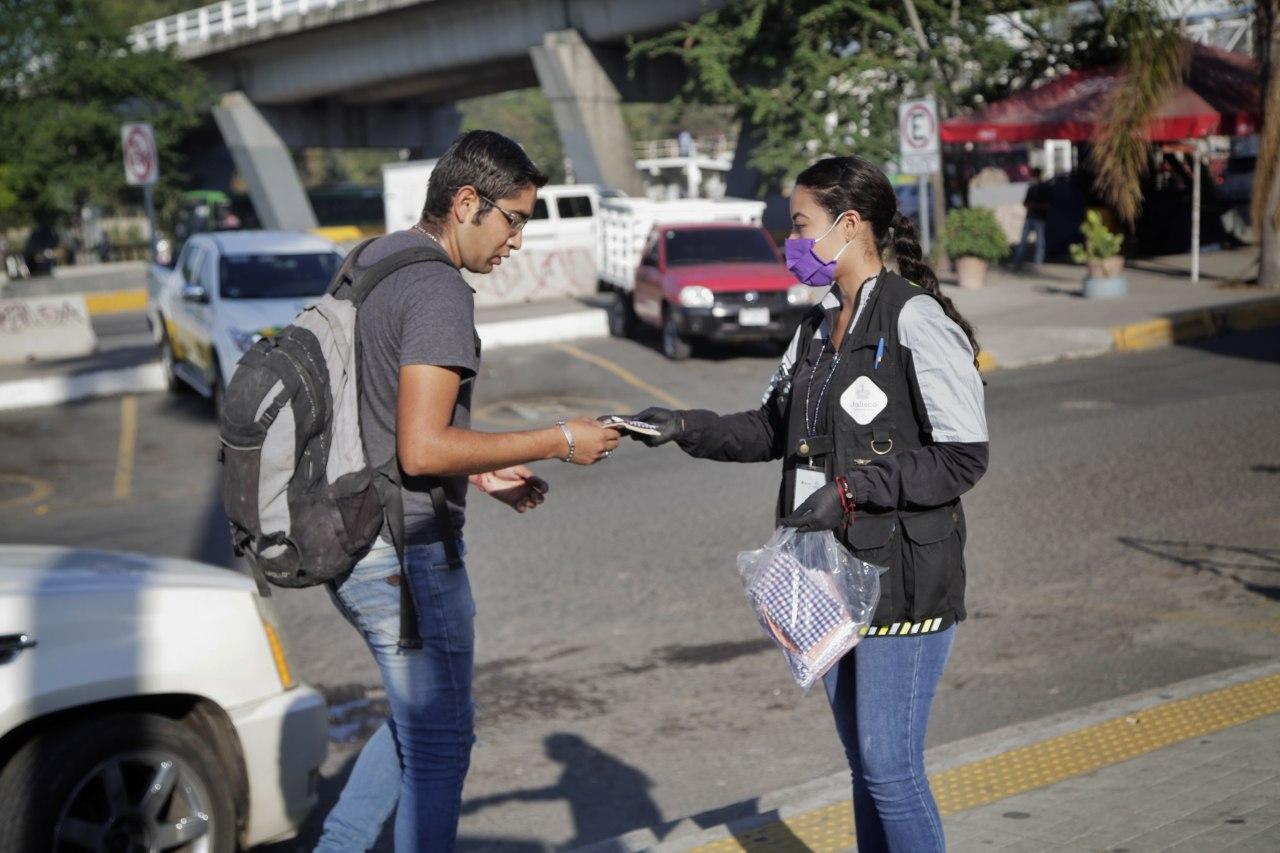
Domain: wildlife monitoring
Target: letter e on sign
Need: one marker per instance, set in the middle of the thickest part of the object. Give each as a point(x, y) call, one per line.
point(141, 162)
point(918, 136)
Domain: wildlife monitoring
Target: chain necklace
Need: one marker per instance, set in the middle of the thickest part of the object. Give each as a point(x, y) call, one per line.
point(417, 226)
point(811, 425)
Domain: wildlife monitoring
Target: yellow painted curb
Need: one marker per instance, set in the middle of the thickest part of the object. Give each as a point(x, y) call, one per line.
point(347, 233)
point(1194, 325)
point(986, 362)
point(1037, 765)
point(116, 301)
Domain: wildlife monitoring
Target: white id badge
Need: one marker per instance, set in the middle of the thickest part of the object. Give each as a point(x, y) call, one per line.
point(808, 481)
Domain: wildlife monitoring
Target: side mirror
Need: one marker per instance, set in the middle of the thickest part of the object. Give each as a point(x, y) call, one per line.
point(194, 293)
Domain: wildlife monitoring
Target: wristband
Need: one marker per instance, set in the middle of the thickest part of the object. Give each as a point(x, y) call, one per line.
point(568, 435)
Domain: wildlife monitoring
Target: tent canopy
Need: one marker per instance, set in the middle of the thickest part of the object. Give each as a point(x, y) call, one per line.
point(1219, 96)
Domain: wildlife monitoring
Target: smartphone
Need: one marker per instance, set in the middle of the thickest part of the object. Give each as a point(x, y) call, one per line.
point(629, 424)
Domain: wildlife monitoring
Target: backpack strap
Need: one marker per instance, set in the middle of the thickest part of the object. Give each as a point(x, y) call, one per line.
point(360, 282)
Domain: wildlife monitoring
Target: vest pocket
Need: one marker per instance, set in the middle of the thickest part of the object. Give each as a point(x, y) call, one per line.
point(875, 539)
point(931, 552)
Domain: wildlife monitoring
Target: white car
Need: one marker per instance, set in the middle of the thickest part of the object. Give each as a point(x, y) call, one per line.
point(226, 290)
point(146, 704)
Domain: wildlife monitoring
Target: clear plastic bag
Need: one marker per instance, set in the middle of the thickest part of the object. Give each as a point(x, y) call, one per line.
point(811, 596)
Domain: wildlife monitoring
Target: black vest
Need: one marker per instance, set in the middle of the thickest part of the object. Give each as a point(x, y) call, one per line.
point(923, 547)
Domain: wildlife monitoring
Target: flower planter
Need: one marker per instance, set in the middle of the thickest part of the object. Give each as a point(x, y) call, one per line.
point(971, 272)
point(1106, 267)
point(1106, 287)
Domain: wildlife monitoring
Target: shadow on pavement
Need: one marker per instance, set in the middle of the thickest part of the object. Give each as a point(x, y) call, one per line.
point(1254, 345)
point(1255, 569)
point(606, 796)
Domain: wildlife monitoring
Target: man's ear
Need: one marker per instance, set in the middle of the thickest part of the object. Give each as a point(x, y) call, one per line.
point(464, 202)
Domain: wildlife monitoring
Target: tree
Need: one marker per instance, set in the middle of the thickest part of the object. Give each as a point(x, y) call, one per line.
point(812, 77)
point(1266, 178)
point(68, 79)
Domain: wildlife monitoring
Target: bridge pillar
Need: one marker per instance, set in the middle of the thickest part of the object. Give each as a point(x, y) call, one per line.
point(264, 162)
point(588, 111)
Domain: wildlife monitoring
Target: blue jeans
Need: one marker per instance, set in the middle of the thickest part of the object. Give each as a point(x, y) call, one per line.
point(1029, 226)
point(880, 694)
point(418, 759)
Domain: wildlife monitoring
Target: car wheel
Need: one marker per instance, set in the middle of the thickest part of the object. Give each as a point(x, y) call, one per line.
point(135, 782)
point(168, 362)
point(622, 315)
point(674, 346)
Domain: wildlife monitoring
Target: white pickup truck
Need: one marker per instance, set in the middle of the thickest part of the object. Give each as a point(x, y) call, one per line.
point(226, 290)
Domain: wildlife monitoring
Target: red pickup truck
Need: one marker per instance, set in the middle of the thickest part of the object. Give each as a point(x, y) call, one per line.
point(722, 282)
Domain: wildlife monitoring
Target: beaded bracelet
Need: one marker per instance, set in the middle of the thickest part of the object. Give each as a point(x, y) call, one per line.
point(568, 434)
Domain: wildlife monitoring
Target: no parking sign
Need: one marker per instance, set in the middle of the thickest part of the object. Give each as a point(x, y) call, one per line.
point(918, 137)
point(141, 162)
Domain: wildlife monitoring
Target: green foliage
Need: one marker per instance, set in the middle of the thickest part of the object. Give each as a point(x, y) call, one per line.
point(974, 232)
point(68, 80)
point(808, 78)
point(525, 116)
point(1099, 241)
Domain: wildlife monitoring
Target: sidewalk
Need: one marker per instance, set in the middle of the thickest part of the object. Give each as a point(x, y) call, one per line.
point(1190, 767)
point(1036, 317)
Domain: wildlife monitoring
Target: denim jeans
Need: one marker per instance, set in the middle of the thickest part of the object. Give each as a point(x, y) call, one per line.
point(418, 759)
point(880, 694)
point(1029, 226)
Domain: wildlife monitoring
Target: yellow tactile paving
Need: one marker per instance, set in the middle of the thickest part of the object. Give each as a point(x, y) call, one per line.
point(1037, 765)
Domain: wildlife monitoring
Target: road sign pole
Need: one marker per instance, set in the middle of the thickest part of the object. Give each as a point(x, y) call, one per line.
point(151, 217)
point(926, 244)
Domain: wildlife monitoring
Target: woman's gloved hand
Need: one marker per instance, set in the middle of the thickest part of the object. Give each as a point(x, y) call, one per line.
point(669, 423)
point(829, 508)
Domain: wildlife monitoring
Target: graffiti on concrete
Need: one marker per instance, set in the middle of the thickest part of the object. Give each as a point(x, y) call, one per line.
point(536, 274)
point(19, 316)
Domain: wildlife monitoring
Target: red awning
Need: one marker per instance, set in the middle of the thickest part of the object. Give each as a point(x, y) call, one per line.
point(1219, 97)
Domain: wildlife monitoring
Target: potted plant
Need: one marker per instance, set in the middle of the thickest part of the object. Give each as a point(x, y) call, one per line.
point(976, 240)
point(1100, 252)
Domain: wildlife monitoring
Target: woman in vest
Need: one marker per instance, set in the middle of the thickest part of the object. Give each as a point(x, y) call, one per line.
point(877, 414)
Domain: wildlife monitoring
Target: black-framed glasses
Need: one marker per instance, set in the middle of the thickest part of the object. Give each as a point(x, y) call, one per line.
point(516, 221)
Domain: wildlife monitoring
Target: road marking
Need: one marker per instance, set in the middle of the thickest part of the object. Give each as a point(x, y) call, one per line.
point(622, 373)
point(116, 302)
point(39, 490)
point(1036, 765)
point(128, 442)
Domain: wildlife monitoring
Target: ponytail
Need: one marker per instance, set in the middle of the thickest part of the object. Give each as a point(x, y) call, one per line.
point(905, 243)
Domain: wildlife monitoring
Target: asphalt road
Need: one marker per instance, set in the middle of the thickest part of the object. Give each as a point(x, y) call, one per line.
point(1126, 537)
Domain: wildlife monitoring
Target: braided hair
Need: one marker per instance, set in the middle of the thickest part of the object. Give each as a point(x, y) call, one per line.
point(841, 184)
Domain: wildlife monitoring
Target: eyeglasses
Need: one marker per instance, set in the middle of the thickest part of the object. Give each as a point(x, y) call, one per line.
point(516, 221)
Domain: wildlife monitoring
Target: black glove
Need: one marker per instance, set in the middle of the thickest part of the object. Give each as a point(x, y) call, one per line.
point(826, 509)
point(669, 423)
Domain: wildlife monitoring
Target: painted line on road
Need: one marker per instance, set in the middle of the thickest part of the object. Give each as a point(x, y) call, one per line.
point(38, 488)
point(1036, 765)
point(116, 301)
point(622, 373)
point(128, 444)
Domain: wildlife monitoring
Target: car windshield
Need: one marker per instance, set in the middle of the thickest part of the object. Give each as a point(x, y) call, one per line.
point(718, 246)
point(276, 276)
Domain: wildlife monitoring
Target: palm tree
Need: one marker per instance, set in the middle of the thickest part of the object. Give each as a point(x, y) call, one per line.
point(1266, 176)
point(1155, 63)
point(1155, 59)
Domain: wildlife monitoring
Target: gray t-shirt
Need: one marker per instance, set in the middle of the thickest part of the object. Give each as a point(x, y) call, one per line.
point(422, 314)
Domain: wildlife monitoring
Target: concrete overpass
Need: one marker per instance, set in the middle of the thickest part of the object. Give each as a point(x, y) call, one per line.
point(386, 73)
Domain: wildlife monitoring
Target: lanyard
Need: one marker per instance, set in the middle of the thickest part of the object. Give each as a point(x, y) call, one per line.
point(811, 425)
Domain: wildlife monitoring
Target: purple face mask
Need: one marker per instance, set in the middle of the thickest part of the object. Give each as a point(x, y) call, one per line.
point(805, 264)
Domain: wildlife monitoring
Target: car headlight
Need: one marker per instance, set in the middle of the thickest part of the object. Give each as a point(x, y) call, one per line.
point(244, 339)
point(696, 296)
point(802, 294)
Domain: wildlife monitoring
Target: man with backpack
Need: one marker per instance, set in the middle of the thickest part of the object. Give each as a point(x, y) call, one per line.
point(418, 355)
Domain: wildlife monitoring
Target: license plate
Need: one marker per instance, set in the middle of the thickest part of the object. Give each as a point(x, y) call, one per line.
point(753, 317)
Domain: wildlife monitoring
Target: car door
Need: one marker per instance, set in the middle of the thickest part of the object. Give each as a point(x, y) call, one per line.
point(178, 321)
point(648, 290)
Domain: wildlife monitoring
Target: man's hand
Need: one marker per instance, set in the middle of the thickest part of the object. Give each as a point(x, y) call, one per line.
point(592, 441)
point(824, 510)
point(517, 487)
point(669, 423)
